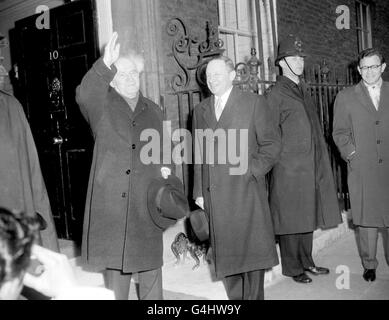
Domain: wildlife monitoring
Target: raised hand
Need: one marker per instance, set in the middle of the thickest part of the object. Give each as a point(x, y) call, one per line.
point(111, 51)
point(57, 276)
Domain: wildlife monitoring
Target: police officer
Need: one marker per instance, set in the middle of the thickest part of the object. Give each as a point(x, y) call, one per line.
point(302, 192)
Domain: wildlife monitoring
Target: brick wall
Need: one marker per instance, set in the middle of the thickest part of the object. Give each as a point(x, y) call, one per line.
point(315, 22)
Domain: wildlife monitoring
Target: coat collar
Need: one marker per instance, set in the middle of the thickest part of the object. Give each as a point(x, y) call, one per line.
point(364, 97)
point(384, 98)
point(123, 106)
point(290, 88)
point(227, 116)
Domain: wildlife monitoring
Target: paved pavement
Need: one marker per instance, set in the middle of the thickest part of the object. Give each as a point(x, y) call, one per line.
point(336, 250)
point(345, 280)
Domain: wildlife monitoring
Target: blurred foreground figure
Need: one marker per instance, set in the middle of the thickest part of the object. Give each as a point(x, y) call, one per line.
point(21, 183)
point(50, 273)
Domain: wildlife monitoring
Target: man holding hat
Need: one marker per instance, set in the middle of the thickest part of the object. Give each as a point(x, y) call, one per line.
point(241, 231)
point(302, 191)
point(122, 232)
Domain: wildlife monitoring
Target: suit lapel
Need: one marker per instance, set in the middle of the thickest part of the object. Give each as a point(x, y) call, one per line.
point(364, 98)
point(384, 98)
point(209, 113)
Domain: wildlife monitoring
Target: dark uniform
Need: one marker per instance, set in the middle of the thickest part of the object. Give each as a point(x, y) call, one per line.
point(302, 191)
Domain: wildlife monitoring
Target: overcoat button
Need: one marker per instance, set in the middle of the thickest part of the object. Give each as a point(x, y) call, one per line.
point(124, 195)
point(128, 171)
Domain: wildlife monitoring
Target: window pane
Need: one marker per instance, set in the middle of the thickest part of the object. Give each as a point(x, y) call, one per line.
point(229, 45)
point(228, 10)
point(244, 47)
point(364, 26)
point(244, 15)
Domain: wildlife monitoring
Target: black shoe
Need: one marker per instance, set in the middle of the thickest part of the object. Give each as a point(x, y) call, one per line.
point(302, 278)
point(369, 275)
point(317, 270)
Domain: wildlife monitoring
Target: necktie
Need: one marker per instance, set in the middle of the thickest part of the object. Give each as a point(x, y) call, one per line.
point(374, 93)
point(218, 108)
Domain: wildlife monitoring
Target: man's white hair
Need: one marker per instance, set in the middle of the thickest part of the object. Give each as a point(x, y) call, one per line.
point(136, 58)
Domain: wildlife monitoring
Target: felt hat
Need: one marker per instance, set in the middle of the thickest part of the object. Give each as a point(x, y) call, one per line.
point(199, 223)
point(166, 201)
point(290, 46)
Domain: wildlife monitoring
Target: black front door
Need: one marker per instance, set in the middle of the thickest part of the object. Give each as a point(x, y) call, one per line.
point(50, 64)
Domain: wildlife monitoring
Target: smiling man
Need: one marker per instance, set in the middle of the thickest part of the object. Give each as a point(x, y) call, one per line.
point(302, 190)
point(241, 231)
point(361, 133)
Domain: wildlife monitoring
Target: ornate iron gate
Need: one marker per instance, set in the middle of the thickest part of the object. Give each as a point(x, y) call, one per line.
point(189, 86)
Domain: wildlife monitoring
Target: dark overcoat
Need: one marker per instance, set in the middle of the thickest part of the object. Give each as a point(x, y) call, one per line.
point(241, 230)
point(359, 127)
point(22, 187)
point(302, 190)
point(118, 231)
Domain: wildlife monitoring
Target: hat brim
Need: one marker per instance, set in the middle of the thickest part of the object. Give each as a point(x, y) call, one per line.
point(282, 56)
point(160, 185)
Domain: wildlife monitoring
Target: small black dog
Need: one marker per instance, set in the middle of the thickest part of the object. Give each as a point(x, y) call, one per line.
point(181, 245)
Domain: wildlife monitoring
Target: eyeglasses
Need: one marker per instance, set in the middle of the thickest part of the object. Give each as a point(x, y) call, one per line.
point(373, 67)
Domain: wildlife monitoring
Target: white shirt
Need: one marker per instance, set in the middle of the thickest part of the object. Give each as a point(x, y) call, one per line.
point(224, 97)
point(375, 92)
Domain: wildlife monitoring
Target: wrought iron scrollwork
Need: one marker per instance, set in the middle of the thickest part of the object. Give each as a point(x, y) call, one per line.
point(190, 54)
point(247, 73)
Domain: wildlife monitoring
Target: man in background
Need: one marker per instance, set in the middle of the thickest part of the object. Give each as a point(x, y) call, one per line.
point(361, 132)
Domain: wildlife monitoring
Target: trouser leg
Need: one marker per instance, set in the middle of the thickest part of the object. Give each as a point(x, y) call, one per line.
point(368, 247)
point(290, 257)
point(255, 282)
point(150, 285)
point(245, 286)
point(305, 250)
point(234, 286)
point(118, 282)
